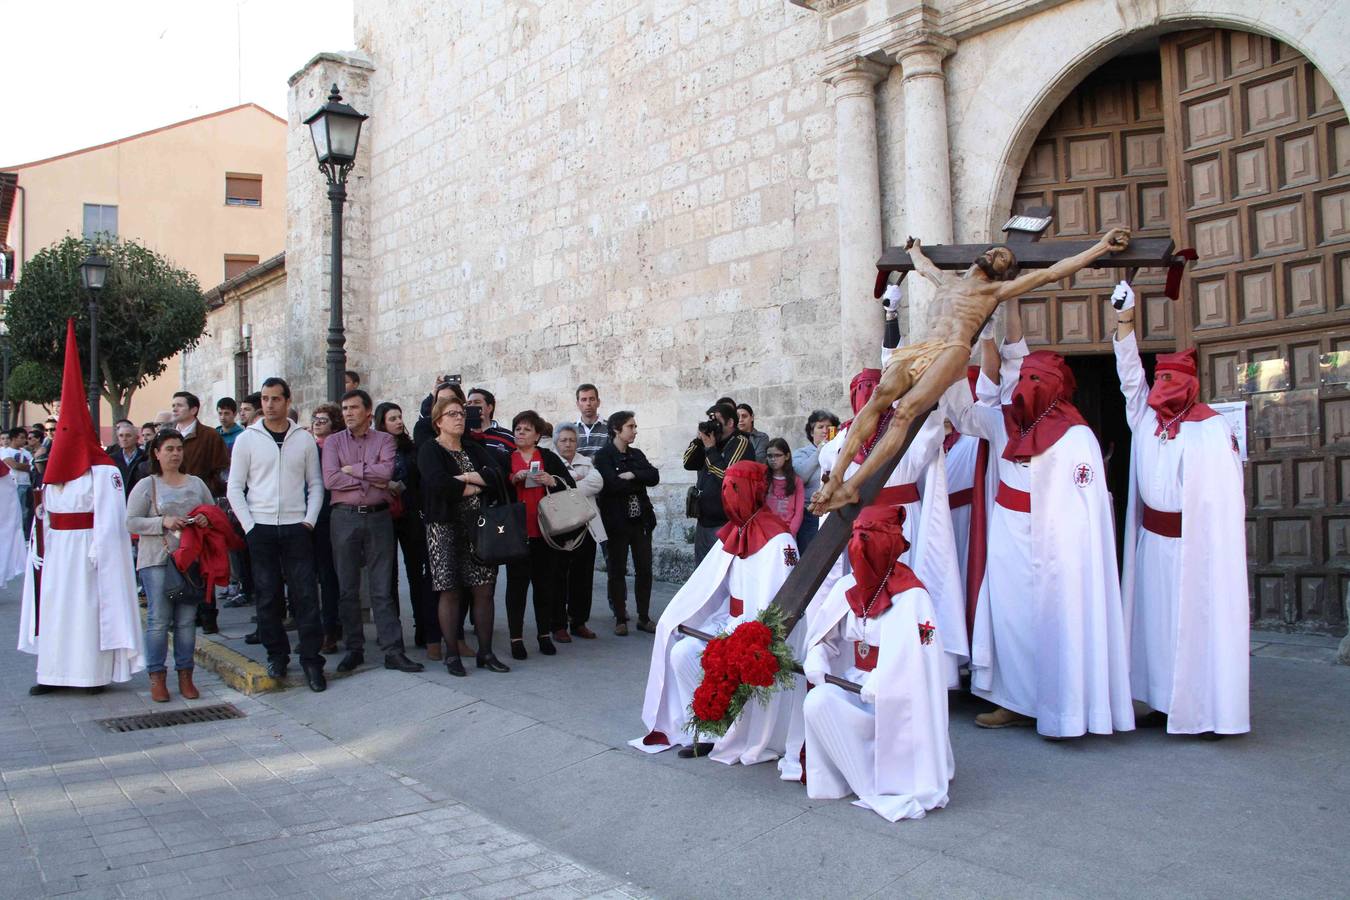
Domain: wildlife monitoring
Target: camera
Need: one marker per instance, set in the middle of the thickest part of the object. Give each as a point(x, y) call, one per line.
point(473, 418)
point(707, 426)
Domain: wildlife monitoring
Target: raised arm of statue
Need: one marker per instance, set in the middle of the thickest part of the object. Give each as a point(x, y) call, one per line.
point(922, 264)
point(1114, 241)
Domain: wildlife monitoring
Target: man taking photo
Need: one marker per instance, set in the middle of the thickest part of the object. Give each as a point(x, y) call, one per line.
point(719, 446)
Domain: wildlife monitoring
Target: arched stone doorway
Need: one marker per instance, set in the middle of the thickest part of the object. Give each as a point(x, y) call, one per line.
point(1235, 144)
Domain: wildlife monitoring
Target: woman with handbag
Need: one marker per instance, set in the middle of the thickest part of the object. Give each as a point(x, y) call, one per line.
point(577, 575)
point(409, 530)
point(455, 470)
point(157, 511)
point(534, 472)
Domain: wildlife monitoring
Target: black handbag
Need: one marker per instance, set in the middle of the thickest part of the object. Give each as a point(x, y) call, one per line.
point(691, 502)
point(501, 535)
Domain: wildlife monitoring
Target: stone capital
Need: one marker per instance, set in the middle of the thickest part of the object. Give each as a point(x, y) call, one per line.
point(855, 76)
point(921, 54)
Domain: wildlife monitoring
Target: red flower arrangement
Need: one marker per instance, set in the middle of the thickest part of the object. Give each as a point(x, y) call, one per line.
point(748, 664)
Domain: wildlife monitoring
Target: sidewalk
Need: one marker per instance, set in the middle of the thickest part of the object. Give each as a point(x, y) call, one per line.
point(542, 752)
point(262, 806)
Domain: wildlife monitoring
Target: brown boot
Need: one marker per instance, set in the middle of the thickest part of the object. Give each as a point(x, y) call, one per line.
point(159, 691)
point(1002, 718)
point(434, 651)
point(185, 685)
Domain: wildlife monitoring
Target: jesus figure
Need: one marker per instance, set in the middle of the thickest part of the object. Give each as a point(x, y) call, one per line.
point(918, 374)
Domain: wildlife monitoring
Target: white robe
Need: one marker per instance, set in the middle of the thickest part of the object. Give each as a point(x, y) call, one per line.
point(13, 551)
point(87, 631)
point(1049, 636)
point(890, 745)
point(932, 553)
point(960, 465)
point(1185, 598)
point(676, 665)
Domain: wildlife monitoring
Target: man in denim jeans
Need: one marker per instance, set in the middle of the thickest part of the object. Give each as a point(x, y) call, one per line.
point(277, 463)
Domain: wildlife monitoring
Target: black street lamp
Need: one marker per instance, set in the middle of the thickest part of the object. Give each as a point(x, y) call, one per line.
point(336, 130)
point(93, 275)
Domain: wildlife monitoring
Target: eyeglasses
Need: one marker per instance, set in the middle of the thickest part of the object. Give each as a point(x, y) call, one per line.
point(774, 456)
point(322, 420)
point(453, 414)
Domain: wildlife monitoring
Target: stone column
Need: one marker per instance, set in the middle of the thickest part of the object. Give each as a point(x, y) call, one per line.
point(928, 182)
point(859, 211)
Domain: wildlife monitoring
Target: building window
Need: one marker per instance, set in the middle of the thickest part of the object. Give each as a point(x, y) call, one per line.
point(238, 264)
point(99, 221)
point(242, 189)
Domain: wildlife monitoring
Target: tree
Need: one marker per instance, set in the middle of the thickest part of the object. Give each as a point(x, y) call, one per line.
point(148, 311)
point(31, 382)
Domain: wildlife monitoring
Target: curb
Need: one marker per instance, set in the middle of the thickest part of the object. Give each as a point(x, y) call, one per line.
point(234, 668)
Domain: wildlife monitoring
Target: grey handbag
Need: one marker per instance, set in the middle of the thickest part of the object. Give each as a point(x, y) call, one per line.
point(560, 514)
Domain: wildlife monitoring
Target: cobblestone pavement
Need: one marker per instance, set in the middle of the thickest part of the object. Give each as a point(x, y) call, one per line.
point(256, 807)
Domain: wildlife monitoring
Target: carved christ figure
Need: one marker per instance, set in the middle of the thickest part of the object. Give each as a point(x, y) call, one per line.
point(918, 374)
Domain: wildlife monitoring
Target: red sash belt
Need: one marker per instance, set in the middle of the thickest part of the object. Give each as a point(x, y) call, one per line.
point(1167, 524)
point(736, 607)
point(866, 662)
point(897, 495)
point(70, 521)
point(961, 498)
point(1012, 498)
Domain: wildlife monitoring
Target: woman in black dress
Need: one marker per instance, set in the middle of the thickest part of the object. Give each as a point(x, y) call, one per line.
point(455, 471)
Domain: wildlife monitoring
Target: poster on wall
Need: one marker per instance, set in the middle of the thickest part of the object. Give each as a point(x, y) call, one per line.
point(1285, 414)
point(1235, 414)
point(1264, 376)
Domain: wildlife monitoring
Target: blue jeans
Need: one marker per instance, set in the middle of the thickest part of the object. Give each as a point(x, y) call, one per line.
point(160, 615)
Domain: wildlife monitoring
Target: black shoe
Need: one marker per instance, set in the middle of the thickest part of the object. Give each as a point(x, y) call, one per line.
point(1153, 719)
point(1209, 736)
point(314, 678)
point(289, 624)
point(546, 646)
point(38, 690)
point(647, 625)
point(455, 666)
point(490, 662)
point(399, 661)
point(98, 689)
point(276, 668)
point(702, 748)
point(353, 659)
point(237, 601)
point(253, 638)
point(518, 650)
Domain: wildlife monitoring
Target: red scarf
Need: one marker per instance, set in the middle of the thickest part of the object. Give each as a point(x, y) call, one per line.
point(1041, 409)
point(1176, 399)
point(874, 552)
point(749, 524)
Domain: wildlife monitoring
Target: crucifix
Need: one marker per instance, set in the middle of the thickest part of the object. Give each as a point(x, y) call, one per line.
point(961, 307)
point(971, 280)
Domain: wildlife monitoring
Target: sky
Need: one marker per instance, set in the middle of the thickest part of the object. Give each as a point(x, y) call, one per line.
point(81, 72)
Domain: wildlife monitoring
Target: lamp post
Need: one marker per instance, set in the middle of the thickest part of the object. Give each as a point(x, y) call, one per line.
point(336, 130)
point(93, 275)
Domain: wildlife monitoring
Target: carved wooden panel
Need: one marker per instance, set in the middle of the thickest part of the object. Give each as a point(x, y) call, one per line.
point(1233, 144)
point(1102, 161)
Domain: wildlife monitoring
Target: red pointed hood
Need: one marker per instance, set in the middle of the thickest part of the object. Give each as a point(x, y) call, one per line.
point(1175, 398)
point(750, 525)
point(75, 447)
point(1042, 408)
point(874, 553)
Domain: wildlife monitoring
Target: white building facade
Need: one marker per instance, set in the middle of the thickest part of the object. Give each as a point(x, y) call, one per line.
point(680, 200)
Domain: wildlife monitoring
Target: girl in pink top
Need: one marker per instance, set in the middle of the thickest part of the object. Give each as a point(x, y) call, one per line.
point(786, 493)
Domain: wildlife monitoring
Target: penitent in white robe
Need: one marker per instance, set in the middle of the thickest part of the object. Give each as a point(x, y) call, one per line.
point(1185, 598)
point(676, 668)
point(1049, 636)
point(960, 464)
point(13, 551)
point(86, 631)
point(889, 745)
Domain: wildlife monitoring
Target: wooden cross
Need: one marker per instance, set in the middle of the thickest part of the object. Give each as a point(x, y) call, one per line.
point(811, 571)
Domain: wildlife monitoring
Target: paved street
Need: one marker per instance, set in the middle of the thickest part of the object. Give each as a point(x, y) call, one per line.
point(500, 785)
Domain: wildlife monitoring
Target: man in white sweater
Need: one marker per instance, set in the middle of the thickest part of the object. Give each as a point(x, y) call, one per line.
point(276, 490)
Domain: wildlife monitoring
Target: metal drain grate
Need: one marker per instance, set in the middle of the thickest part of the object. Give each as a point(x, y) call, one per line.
point(218, 713)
